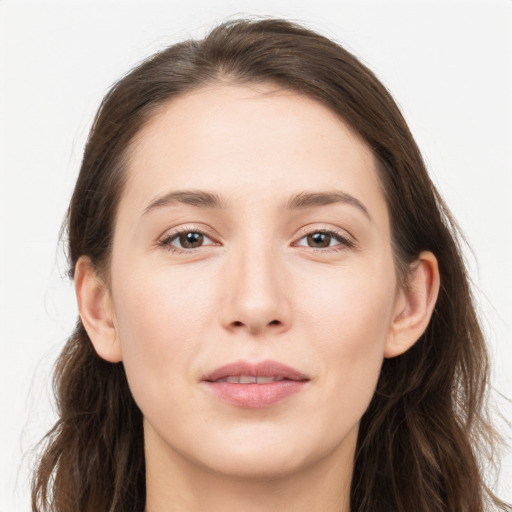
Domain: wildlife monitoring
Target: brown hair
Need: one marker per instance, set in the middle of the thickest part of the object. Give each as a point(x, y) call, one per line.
point(425, 434)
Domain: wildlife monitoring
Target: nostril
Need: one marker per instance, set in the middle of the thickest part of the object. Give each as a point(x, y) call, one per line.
point(238, 323)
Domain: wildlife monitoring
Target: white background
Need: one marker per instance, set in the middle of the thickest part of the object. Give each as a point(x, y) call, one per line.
point(448, 63)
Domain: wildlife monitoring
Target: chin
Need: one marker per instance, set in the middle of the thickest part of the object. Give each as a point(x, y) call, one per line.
point(261, 457)
point(261, 466)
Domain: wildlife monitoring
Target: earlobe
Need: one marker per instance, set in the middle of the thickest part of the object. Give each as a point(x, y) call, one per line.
point(414, 306)
point(96, 311)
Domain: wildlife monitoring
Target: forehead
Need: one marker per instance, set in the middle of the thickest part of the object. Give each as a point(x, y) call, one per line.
point(248, 142)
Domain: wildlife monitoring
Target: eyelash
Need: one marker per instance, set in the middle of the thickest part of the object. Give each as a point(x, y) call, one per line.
point(344, 242)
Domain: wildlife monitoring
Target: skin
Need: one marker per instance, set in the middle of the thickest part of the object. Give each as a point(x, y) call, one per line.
point(257, 288)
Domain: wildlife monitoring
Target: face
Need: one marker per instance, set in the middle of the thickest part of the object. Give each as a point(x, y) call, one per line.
point(252, 233)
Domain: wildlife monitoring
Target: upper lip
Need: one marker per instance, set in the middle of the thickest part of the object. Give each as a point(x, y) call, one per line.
point(265, 368)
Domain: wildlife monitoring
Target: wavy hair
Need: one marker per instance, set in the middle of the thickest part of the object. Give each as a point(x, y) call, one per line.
point(425, 436)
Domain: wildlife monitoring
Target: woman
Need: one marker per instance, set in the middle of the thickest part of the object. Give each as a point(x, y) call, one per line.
point(274, 310)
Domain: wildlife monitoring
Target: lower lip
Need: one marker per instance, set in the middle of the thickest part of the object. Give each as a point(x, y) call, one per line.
point(255, 396)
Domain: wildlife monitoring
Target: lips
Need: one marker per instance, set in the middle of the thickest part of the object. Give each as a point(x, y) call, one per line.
point(254, 385)
point(262, 369)
point(249, 379)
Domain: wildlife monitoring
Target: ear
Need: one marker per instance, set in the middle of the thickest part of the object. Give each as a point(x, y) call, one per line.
point(96, 310)
point(414, 305)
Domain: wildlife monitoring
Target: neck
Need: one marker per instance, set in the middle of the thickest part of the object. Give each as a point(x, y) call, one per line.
point(174, 483)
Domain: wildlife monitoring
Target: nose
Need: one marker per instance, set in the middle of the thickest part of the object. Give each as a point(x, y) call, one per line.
point(256, 296)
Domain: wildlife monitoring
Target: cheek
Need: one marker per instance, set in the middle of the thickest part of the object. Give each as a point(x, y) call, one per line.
point(349, 322)
point(351, 305)
point(161, 318)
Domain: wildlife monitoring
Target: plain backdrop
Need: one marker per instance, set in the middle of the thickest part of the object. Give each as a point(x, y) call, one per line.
point(448, 64)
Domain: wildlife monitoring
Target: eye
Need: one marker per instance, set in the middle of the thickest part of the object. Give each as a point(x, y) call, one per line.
point(185, 240)
point(326, 239)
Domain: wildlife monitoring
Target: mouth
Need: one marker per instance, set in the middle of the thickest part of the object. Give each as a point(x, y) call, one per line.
point(254, 385)
point(249, 379)
point(244, 372)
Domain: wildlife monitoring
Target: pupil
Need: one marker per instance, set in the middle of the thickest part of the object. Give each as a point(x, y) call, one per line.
point(323, 239)
point(191, 238)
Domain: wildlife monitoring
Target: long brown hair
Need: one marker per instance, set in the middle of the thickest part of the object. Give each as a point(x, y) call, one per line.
point(424, 437)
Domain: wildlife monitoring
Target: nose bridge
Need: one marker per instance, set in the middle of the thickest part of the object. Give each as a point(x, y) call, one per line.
point(255, 295)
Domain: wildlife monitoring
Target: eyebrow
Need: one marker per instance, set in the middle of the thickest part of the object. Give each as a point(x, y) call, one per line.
point(300, 201)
